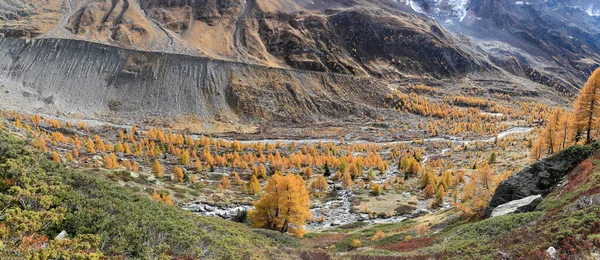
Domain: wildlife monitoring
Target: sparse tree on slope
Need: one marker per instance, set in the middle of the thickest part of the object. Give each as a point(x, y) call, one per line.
point(253, 185)
point(157, 170)
point(319, 186)
point(587, 105)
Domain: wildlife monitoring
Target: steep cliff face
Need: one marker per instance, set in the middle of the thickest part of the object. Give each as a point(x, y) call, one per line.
point(80, 76)
point(410, 44)
point(552, 42)
point(562, 32)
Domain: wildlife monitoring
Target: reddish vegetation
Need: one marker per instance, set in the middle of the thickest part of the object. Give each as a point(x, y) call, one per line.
point(315, 255)
point(571, 246)
point(580, 174)
point(427, 257)
point(409, 245)
point(535, 255)
point(325, 240)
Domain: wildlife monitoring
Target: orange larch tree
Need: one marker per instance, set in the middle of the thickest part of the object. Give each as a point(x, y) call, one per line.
point(284, 206)
point(253, 185)
point(587, 105)
point(157, 170)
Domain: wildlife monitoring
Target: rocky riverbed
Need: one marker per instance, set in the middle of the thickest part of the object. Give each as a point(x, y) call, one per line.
point(338, 211)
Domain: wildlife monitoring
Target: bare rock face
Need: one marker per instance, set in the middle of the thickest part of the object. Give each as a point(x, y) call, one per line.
point(306, 42)
point(566, 33)
point(409, 43)
point(209, 11)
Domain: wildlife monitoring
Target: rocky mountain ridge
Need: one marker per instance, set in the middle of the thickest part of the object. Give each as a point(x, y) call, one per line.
point(383, 42)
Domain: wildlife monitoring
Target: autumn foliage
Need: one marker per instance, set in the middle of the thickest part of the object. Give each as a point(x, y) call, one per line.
point(587, 108)
point(284, 206)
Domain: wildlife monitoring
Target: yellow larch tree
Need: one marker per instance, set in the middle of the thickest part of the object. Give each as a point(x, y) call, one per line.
point(346, 180)
point(89, 146)
point(225, 182)
point(307, 172)
point(318, 186)
point(253, 185)
point(184, 158)
point(284, 206)
point(587, 106)
point(55, 156)
point(178, 174)
point(157, 170)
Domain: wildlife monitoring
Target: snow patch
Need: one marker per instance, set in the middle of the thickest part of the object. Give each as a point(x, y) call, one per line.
point(591, 12)
point(522, 3)
point(458, 8)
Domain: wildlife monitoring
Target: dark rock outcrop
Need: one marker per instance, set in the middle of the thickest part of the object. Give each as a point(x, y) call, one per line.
point(541, 176)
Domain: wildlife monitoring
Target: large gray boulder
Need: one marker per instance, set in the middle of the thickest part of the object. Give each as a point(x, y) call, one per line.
point(541, 176)
point(523, 205)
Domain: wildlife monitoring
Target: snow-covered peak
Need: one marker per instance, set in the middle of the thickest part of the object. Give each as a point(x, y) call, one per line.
point(448, 10)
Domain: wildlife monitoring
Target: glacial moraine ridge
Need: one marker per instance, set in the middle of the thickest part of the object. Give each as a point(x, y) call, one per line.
point(79, 76)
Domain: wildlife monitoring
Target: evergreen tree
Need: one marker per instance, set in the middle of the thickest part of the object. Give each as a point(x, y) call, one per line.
point(326, 172)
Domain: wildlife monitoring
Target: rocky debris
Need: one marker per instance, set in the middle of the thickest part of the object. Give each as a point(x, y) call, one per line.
point(551, 251)
point(585, 201)
point(419, 213)
point(249, 92)
point(405, 209)
point(523, 205)
point(503, 256)
point(541, 176)
point(62, 235)
point(226, 212)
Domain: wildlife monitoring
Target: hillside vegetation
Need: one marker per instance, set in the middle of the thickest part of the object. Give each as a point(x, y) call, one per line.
point(566, 220)
point(41, 198)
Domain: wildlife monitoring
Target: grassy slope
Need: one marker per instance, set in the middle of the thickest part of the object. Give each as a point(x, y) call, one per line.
point(568, 219)
point(41, 198)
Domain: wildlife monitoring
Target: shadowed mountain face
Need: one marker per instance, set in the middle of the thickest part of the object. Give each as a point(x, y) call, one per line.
point(563, 35)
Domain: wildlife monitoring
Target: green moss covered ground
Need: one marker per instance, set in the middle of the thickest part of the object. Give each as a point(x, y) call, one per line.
point(40, 198)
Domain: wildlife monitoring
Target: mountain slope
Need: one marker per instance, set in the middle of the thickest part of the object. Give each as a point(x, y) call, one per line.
point(564, 225)
point(556, 40)
point(313, 60)
point(269, 33)
point(41, 198)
